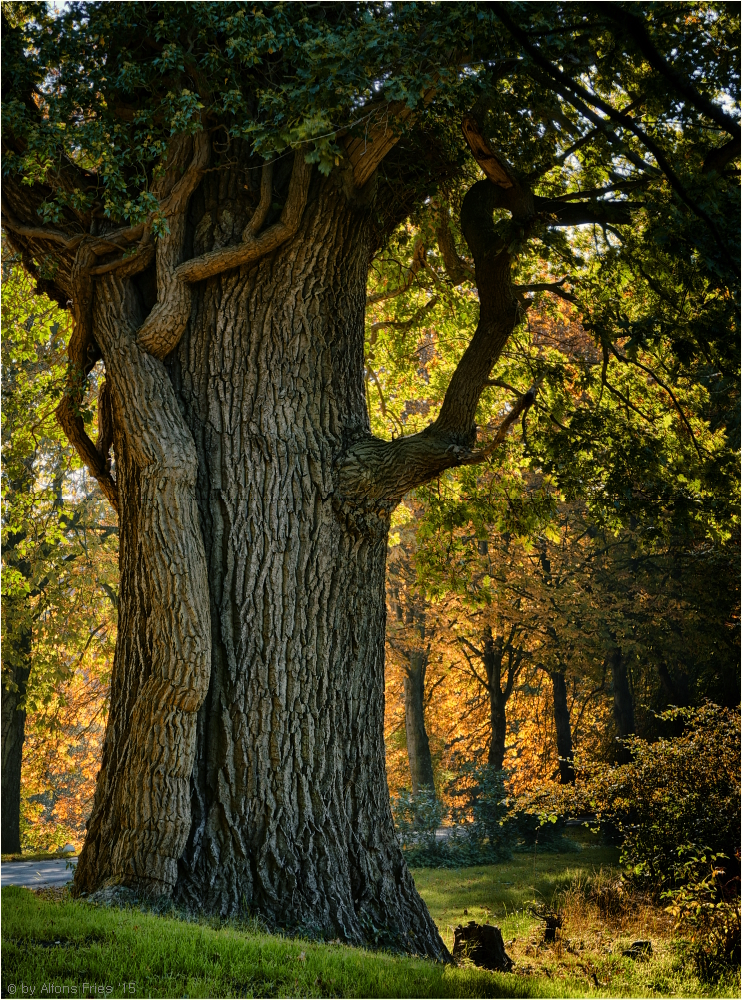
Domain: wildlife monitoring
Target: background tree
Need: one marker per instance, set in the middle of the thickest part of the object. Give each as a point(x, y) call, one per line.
point(57, 547)
point(159, 176)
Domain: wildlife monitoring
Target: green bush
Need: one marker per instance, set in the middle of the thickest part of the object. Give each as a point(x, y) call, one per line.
point(486, 827)
point(707, 913)
point(674, 795)
point(416, 818)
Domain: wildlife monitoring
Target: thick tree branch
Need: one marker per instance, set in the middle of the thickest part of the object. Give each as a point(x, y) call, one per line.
point(366, 152)
point(164, 326)
point(494, 167)
point(595, 213)
point(555, 287)
point(266, 190)
point(385, 470)
point(82, 353)
point(251, 250)
point(373, 470)
point(161, 330)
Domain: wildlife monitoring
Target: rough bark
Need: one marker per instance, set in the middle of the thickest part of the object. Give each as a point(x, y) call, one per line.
point(623, 702)
point(291, 815)
point(563, 728)
point(141, 816)
point(141, 813)
point(13, 733)
point(418, 746)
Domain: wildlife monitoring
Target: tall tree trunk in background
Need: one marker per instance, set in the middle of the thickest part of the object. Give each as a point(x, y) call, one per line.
point(492, 657)
point(498, 722)
point(13, 733)
point(623, 702)
point(563, 728)
point(418, 746)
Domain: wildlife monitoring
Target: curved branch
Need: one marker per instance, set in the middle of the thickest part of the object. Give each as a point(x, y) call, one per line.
point(250, 251)
point(457, 269)
point(161, 330)
point(668, 390)
point(373, 469)
point(82, 353)
point(493, 165)
point(39, 232)
point(366, 152)
point(401, 324)
point(252, 229)
point(164, 326)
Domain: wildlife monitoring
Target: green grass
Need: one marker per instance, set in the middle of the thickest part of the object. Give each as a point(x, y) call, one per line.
point(49, 938)
point(74, 943)
point(590, 951)
point(504, 892)
point(38, 856)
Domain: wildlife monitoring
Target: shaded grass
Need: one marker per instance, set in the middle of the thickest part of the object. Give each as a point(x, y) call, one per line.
point(588, 954)
point(50, 938)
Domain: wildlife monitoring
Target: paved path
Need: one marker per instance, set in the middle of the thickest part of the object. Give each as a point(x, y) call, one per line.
point(35, 874)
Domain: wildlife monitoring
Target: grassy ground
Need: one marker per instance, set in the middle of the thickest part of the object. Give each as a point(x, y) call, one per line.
point(588, 956)
point(38, 856)
point(48, 938)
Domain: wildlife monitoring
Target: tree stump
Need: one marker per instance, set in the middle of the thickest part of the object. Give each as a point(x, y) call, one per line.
point(483, 944)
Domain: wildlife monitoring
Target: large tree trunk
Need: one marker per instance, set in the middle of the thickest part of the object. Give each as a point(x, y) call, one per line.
point(418, 747)
point(254, 507)
point(563, 729)
point(13, 732)
point(289, 800)
point(141, 815)
point(623, 702)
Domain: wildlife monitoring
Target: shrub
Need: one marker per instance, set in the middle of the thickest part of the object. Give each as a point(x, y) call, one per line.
point(416, 818)
point(674, 794)
point(486, 827)
point(707, 912)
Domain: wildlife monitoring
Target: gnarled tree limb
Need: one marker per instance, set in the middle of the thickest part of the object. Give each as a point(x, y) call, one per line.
point(385, 470)
point(251, 250)
point(366, 152)
point(252, 229)
point(164, 326)
point(82, 353)
point(458, 270)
